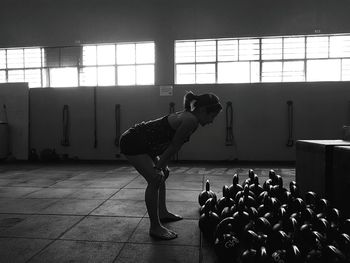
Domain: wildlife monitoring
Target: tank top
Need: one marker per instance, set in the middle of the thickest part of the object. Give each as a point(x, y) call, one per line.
point(157, 134)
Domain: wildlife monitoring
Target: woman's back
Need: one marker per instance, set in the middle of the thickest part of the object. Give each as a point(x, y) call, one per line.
point(175, 119)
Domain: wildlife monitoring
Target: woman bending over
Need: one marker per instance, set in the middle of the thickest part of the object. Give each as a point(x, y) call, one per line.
point(149, 146)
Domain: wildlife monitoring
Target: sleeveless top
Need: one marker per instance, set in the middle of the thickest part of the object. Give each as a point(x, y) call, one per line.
point(157, 134)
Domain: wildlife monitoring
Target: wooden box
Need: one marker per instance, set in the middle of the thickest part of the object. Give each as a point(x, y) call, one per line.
point(341, 179)
point(314, 166)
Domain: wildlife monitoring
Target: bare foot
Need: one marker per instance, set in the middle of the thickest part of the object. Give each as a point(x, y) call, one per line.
point(162, 233)
point(169, 217)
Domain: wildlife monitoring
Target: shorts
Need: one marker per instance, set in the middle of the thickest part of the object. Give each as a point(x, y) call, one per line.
point(132, 143)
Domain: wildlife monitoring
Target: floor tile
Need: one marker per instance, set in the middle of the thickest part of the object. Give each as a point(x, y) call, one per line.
point(182, 195)
point(52, 193)
point(16, 192)
point(188, 210)
point(88, 175)
point(147, 253)
point(108, 183)
point(9, 220)
point(20, 249)
point(135, 208)
point(187, 230)
point(97, 193)
point(35, 183)
point(185, 177)
point(100, 228)
point(180, 185)
point(130, 194)
point(26, 206)
point(41, 226)
point(70, 184)
point(40, 203)
point(139, 182)
point(10, 182)
point(120, 176)
point(79, 251)
point(72, 207)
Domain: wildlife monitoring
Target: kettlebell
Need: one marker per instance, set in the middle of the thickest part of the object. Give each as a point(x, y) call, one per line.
point(208, 223)
point(235, 187)
point(249, 256)
point(206, 194)
point(210, 205)
point(227, 247)
point(224, 201)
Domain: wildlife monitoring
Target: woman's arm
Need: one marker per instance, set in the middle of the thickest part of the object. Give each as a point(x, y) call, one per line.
point(187, 126)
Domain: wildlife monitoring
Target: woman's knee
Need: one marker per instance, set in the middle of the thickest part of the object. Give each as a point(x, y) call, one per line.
point(155, 181)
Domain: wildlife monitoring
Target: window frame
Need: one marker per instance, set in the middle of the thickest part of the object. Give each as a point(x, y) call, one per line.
point(301, 55)
point(53, 57)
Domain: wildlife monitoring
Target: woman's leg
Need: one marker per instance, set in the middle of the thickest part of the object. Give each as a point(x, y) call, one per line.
point(164, 214)
point(144, 165)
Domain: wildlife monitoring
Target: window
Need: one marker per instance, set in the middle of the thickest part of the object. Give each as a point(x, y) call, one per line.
point(267, 59)
point(345, 69)
point(15, 58)
point(294, 47)
point(249, 49)
point(217, 61)
point(2, 59)
point(339, 46)
point(21, 65)
point(317, 47)
point(293, 71)
point(323, 70)
point(118, 64)
point(63, 77)
point(87, 65)
point(2, 76)
point(271, 48)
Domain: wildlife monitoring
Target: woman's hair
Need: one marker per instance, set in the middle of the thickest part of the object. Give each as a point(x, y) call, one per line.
point(208, 100)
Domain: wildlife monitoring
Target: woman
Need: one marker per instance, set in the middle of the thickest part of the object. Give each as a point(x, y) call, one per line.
point(149, 146)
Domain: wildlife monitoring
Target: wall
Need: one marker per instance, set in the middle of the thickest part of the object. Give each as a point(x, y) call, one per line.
point(70, 22)
point(260, 109)
point(16, 98)
point(260, 118)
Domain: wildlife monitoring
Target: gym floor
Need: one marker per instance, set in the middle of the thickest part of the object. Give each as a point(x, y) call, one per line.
point(96, 213)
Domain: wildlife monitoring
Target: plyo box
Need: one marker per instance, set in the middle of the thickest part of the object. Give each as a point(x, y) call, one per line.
point(341, 179)
point(314, 166)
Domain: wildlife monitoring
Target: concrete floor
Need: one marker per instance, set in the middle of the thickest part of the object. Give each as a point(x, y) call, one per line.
point(96, 213)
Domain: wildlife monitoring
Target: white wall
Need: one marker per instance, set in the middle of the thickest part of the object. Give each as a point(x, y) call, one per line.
point(260, 118)
point(15, 96)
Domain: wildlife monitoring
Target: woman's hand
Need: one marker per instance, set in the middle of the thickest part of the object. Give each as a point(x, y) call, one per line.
point(159, 172)
point(163, 172)
point(166, 172)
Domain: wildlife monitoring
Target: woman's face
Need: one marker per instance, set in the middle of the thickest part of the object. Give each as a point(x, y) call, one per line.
point(206, 118)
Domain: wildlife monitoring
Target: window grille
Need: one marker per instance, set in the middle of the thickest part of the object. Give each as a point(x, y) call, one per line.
point(87, 65)
point(267, 59)
point(345, 69)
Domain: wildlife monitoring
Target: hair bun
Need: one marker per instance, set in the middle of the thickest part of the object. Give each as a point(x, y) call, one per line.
point(188, 98)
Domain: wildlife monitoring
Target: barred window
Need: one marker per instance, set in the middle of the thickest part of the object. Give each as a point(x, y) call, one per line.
point(294, 47)
point(271, 48)
point(317, 47)
point(339, 46)
point(2, 76)
point(249, 49)
point(2, 59)
point(323, 70)
point(87, 65)
point(64, 77)
point(267, 59)
point(345, 69)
